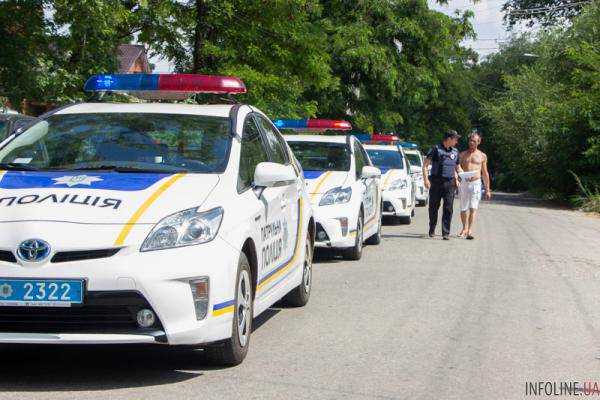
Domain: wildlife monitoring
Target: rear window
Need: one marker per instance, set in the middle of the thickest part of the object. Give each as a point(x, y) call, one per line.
point(322, 156)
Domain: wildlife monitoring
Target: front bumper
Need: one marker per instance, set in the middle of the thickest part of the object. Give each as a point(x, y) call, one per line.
point(421, 193)
point(75, 338)
point(331, 230)
point(397, 203)
point(160, 280)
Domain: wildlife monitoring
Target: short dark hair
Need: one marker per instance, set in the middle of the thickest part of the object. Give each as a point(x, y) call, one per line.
point(451, 134)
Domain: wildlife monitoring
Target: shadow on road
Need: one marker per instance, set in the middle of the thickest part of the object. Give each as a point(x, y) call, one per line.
point(405, 235)
point(85, 368)
point(94, 368)
point(327, 256)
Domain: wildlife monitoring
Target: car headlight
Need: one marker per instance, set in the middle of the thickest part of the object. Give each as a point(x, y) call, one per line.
point(398, 184)
point(185, 228)
point(336, 196)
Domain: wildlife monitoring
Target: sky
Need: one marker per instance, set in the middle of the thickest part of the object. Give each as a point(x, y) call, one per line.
point(487, 22)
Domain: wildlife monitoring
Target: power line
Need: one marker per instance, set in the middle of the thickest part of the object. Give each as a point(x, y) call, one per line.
point(543, 9)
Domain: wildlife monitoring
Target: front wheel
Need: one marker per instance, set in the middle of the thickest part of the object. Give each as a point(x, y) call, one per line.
point(355, 252)
point(299, 296)
point(232, 351)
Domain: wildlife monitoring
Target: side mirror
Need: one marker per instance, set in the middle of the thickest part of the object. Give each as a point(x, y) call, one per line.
point(370, 172)
point(268, 174)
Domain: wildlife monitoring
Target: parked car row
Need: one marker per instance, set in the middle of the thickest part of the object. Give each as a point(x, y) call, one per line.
point(178, 223)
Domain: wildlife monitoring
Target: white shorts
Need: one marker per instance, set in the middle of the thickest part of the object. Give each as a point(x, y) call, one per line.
point(469, 194)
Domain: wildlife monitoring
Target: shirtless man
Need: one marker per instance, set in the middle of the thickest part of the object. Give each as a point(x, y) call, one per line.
point(472, 160)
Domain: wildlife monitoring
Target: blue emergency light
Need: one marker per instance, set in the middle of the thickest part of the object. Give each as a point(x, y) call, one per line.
point(362, 137)
point(409, 145)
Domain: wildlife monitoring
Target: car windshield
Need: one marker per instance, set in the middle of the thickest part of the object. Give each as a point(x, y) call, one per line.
point(414, 159)
point(3, 132)
point(388, 159)
point(128, 142)
point(322, 156)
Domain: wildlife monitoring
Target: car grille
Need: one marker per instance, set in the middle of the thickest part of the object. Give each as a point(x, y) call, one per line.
point(7, 256)
point(66, 256)
point(102, 312)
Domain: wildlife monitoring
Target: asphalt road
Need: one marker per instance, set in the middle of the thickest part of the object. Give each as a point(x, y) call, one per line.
point(417, 318)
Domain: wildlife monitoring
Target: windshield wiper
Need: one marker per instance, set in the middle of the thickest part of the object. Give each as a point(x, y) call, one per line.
point(17, 167)
point(125, 169)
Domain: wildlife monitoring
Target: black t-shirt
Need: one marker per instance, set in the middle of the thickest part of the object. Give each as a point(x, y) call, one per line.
point(444, 161)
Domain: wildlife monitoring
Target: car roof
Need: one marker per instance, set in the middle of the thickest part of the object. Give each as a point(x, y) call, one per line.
point(316, 138)
point(381, 147)
point(150, 108)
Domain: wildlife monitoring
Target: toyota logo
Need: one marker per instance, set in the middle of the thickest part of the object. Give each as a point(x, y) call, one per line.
point(33, 250)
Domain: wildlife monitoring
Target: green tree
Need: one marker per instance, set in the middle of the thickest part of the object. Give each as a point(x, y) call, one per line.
point(546, 121)
point(543, 12)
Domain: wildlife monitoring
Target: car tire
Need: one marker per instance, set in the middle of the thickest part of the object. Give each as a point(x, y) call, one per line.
point(300, 295)
point(232, 351)
point(405, 220)
point(355, 253)
point(376, 238)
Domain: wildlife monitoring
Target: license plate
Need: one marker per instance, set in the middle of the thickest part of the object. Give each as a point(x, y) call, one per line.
point(40, 292)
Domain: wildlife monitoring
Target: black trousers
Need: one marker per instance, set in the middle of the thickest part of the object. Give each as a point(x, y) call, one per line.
point(441, 189)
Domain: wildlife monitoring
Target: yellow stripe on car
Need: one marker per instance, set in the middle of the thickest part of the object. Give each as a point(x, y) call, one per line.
point(294, 258)
point(142, 209)
point(319, 184)
point(222, 311)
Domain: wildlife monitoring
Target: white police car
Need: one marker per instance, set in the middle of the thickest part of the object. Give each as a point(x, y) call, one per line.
point(152, 222)
point(397, 182)
point(415, 159)
point(344, 189)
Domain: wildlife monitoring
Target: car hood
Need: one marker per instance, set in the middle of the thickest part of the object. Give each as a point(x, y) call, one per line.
point(390, 175)
point(99, 198)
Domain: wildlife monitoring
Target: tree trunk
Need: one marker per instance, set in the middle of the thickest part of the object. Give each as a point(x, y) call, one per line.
point(199, 35)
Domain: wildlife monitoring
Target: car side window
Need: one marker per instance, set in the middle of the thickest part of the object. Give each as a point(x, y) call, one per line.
point(252, 153)
point(274, 141)
point(359, 160)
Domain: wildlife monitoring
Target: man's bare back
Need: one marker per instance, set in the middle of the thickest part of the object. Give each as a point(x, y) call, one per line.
point(473, 161)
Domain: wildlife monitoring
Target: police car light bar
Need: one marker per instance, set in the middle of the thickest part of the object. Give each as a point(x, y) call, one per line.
point(178, 83)
point(409, 145)
point(313, 124)
point(362, 137)
point(378, 137)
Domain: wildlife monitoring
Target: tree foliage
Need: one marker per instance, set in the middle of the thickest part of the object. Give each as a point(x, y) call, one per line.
point(387, 65)
point(545, 117)
point(543, 12)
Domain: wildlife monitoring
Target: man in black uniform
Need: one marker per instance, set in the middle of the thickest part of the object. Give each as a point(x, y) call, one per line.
point(442, 181)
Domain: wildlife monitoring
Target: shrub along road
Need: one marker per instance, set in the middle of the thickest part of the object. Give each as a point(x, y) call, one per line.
point(417, 318)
